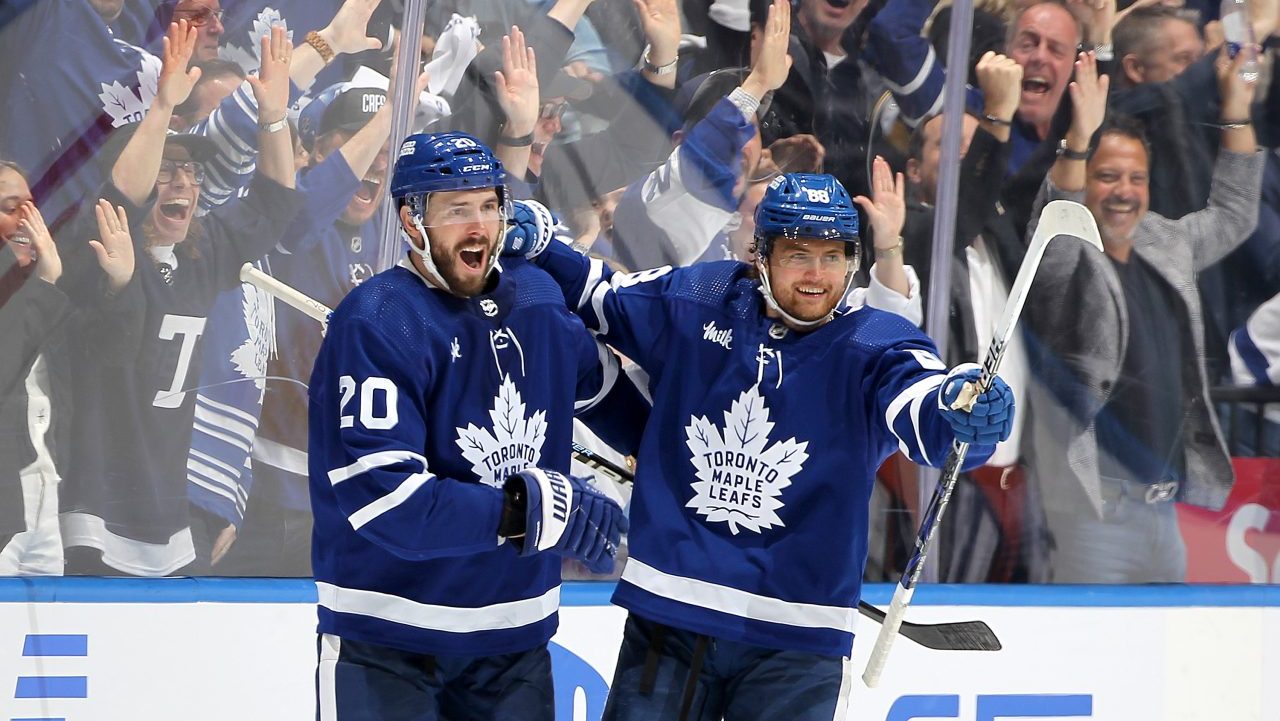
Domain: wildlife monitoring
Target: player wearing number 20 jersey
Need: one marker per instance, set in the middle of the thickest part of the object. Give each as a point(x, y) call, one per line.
point(441, 412)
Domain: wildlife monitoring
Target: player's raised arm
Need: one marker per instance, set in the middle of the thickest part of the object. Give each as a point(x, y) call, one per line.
point(626, 310)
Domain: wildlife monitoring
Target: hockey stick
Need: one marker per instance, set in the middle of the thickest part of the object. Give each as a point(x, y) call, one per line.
point(960, 636)
point(1060, 217)
point(287, 293)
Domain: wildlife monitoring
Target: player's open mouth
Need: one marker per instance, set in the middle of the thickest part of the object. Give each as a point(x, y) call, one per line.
point(178, 209)
point(473, 257)
point(811, 292)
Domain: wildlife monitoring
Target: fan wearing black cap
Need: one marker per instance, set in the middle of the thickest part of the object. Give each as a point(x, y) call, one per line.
point(343, 191)
point(125, 507)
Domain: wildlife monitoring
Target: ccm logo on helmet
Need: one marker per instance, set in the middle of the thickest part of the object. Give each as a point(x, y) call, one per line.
point(470, 168)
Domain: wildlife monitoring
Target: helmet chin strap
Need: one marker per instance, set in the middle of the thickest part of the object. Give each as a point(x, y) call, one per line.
point(766, 290)
point(433, 273)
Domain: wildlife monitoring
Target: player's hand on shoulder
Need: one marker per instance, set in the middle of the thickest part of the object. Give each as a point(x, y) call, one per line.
point(976, 418)
point(563, 514)
point(531, 230)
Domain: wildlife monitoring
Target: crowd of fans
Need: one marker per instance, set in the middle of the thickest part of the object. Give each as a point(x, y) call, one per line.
point(153, 408)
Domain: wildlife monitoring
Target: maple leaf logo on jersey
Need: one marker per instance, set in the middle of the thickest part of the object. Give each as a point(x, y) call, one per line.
point(250, 357)
point(514, 444)
point(741, 476)
point(247, 57)
point(124, 104)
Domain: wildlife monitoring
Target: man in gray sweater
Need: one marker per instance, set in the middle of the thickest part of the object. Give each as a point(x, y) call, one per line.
point(1123, 425)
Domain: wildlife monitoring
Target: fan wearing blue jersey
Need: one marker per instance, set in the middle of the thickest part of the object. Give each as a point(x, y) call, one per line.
point(773, 405)
point(441, 409)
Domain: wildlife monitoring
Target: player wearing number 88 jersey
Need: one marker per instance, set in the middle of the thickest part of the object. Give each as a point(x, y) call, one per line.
point(778, 403)
point(441, 409)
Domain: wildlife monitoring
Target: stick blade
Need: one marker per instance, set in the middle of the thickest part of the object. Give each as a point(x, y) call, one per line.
point(1066, 217)
point(959, 636)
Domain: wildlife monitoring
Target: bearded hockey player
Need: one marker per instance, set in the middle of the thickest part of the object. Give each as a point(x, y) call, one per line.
point(441, 407)
point(773, 405)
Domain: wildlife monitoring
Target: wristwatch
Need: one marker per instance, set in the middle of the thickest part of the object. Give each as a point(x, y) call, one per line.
point(659, 69)
point(276, 126)
point(1069, 154)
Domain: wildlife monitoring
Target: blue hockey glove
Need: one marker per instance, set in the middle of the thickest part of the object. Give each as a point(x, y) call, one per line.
point(988, 420)
point(532, 228)
point(566, 515)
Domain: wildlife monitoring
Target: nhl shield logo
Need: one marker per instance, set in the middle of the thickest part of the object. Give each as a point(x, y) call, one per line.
point(489, 307)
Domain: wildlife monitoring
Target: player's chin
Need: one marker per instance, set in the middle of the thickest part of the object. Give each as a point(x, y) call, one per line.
point(809, 306)
point(465, 280)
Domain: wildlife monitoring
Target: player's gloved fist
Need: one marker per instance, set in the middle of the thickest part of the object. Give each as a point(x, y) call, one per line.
point(531, 230)
point(978, 419)
point(566, 515)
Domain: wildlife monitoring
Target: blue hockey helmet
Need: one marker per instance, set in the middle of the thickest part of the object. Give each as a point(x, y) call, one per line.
point(443, 162)
point(806, 205)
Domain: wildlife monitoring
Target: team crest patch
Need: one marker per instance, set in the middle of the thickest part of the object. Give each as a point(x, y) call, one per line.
point(741, 475)
point(514, 442)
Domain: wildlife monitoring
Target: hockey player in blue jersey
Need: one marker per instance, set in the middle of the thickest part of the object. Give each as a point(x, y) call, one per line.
point(441, 407)
point(773, 405)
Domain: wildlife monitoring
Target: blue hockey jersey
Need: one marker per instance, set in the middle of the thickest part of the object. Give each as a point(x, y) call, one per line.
point(421, 404)
point(67, 82)
point(749, 514)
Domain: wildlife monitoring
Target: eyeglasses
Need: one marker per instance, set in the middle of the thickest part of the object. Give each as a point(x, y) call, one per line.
point(194, 171)
point(804, 261)
point(201, 16)
point(465, 215)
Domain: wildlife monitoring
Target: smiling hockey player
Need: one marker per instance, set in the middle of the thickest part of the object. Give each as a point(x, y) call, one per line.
point(774, 403)
point(441, 409)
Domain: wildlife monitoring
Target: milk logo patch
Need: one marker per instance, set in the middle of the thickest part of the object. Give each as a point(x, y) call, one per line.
point(720, 336)
point(741, 475)
point(513, 443)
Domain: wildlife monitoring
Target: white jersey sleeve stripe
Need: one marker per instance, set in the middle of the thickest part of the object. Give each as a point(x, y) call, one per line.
point(610, 364)
point(364, 464)
point(595, 273)
point(402, 492)
point(737, 602)
point(916, 390)
point(915, 425)
point(597, 306)
point(454, 619)
point(226, 409)
point(925, 69)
